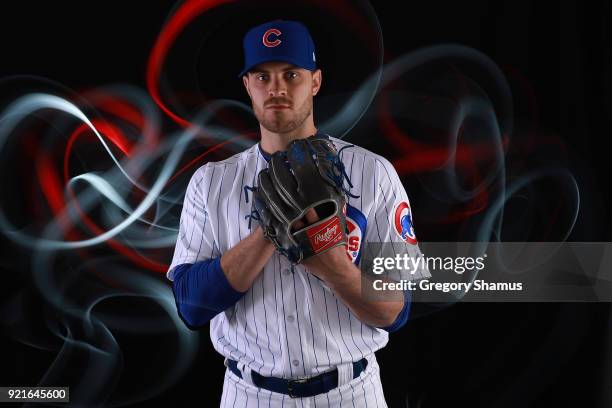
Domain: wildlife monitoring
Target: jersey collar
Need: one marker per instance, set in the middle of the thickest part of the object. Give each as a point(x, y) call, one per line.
point(267, 156)
point(263, 154)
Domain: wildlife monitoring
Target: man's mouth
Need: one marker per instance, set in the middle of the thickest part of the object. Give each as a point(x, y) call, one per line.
point(278, 107)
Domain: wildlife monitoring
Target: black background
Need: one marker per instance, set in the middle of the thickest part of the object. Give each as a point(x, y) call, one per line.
point(476, 355)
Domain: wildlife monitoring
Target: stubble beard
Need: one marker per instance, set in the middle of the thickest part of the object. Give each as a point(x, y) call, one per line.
point(284, 121)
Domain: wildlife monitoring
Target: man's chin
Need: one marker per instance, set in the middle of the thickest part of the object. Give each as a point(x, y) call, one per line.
point(278, 126)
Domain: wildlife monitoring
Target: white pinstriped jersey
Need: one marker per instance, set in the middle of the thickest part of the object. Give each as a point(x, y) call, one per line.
point(289, 324)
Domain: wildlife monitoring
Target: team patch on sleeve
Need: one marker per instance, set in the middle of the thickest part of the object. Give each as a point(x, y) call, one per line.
point(402, 222)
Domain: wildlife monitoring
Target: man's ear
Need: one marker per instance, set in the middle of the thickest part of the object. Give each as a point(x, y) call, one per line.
point(245, 82)
point(317, 80)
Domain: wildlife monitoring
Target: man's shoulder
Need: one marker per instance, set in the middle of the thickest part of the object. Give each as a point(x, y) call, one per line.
point(238, 158)
point(374, 158)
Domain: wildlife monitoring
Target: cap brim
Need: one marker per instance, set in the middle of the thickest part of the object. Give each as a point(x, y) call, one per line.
point(299, 63)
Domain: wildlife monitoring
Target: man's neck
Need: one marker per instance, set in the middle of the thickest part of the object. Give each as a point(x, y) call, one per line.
point(273, 142)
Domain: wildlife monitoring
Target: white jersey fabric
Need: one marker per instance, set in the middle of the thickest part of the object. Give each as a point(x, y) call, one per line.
point(289, 324)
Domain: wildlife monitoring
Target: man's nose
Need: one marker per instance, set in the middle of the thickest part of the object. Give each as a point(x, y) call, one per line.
point(278, 87)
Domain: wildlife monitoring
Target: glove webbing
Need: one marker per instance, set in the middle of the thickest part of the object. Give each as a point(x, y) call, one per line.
point(337, 179)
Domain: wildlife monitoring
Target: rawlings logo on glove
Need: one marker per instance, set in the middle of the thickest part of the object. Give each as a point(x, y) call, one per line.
point(328, 234)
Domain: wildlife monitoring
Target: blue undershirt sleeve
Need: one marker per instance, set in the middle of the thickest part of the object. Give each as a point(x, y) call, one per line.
point(201, 291)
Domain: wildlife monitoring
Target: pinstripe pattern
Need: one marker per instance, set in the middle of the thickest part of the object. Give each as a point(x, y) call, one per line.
point(289, 324)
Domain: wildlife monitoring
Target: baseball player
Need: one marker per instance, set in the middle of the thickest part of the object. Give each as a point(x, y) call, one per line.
point(295, 335)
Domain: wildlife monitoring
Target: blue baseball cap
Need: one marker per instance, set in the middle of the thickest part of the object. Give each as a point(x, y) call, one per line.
point(279, 40)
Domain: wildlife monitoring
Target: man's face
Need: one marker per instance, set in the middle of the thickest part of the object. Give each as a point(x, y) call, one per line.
point(281, 94)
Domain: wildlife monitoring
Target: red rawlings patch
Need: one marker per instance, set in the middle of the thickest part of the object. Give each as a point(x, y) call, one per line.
point(325, 235)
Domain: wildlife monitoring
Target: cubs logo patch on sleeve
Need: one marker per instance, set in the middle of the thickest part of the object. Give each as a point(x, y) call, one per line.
point(402, 222)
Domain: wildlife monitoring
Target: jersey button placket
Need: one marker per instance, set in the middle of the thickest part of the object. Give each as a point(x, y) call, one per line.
point(291, 325)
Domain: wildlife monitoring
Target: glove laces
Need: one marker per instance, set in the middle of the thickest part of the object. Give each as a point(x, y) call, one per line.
point(340, 174)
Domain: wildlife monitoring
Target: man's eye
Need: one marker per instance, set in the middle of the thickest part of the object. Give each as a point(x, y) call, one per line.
point(291, 74)
point(262, 77)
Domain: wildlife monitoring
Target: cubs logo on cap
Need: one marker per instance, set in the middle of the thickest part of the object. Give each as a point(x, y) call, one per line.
point(280, 40)
point(266, 38)
point(402, 222)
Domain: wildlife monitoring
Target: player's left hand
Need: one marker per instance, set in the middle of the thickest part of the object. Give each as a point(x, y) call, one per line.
point(309, 175)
